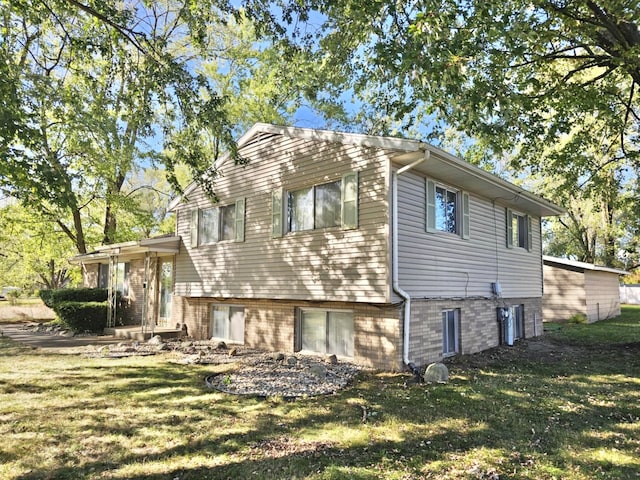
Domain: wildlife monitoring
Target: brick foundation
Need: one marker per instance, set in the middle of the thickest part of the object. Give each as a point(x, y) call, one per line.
point(479, 328)
point(270, 325)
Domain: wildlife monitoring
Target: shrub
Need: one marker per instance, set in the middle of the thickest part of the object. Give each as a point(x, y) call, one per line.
point(578, 318)
point(45, 295)
point(55, 296)
point(13, 296)
point(83, 316)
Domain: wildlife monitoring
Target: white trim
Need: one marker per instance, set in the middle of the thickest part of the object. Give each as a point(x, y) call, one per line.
point(391, 143)
point(408, 151)
point(548, 260)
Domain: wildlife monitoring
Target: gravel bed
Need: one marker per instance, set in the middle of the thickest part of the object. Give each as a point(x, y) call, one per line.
point(294, 376)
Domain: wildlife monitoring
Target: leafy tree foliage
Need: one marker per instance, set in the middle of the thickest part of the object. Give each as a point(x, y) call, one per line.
point(92, 91)
point(33, 255)
point(550, 84)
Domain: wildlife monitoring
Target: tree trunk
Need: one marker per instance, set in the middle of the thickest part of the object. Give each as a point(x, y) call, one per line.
point(110, 218)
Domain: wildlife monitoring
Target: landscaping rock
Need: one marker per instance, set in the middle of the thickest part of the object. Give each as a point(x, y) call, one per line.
point(332, 360)
point(155, 340)
point(233, 352)
point(292, 360)
point(221, 346)
point(318, 371)
point(278, 357)
point(436, 373)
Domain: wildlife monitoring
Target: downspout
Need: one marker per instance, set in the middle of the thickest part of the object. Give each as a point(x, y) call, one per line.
point(394, 248)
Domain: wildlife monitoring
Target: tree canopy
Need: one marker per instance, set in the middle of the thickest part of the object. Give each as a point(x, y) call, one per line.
point(94, 92)
point(550, 84)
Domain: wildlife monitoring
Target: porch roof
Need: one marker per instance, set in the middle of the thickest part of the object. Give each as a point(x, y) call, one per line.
point(167, 244)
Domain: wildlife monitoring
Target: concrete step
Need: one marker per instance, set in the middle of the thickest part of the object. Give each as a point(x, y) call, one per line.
point(135, 332)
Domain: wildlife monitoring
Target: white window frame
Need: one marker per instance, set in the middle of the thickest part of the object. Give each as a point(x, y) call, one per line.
point(462, 216)
point(522, 235)
point(281, 208)
point(327, 312)
point(446, 348)
point(228, 338)
point(217, 214)
point(517, 313)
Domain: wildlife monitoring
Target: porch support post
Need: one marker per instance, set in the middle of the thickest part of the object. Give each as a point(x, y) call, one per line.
point(112, 296)
point(145, 294)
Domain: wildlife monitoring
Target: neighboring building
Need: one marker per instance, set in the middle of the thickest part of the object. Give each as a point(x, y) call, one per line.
point(572, 288)
point(382, 250)
point(630, 294)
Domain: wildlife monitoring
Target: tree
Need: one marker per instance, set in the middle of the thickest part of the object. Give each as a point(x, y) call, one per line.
point(551, 85)
point(33, 255)
point(509, 71)
point(94, 92)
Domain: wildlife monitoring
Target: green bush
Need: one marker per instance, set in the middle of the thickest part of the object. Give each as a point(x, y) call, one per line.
point(13, 296)
point(83, 316)
point(578, 318)
point(55, 296)
point(45, 295)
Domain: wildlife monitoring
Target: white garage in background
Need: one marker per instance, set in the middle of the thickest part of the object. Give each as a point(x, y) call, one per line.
point(572, 287)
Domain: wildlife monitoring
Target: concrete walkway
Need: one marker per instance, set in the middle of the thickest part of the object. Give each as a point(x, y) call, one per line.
point(57, 343)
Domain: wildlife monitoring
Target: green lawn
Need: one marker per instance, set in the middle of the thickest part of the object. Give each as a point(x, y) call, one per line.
point(567, 407)
point(21, 302)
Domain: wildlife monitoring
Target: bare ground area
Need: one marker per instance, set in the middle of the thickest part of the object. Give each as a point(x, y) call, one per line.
point(543, 349)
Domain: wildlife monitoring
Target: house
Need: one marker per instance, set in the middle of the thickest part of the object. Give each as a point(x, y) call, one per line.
point(630, 294)
point(572, 288)
point(386, 251)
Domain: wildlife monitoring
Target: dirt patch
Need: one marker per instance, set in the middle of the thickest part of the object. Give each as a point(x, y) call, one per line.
point(544, 350)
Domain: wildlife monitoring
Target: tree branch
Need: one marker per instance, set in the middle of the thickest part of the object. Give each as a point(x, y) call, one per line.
point(127, 33)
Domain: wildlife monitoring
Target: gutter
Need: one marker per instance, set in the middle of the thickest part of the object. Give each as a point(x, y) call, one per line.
point(394, 249)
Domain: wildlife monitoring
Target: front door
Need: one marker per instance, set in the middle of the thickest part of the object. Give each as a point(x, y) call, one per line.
point(166, 289)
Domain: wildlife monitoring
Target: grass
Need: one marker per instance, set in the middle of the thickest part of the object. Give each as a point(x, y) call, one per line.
point(567, 407)
point(620, 330)
point(21, 302)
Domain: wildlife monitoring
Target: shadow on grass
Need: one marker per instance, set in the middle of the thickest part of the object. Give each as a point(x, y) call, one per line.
point(533, 415)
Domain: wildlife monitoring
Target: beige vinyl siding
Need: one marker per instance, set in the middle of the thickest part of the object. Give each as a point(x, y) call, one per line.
point(327, 264)
point(569, 291)
point(564, 294)
point(444, 265)
point(603, 295)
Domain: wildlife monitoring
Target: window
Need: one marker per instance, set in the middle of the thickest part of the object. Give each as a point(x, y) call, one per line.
point(517, 315)
point(103, 275)
point(227, 323)
point(208, 226)
point(333, 204)
point(519, 232)
point(511, 323)
point(325, 331)
point(315, 207)
point(120, 279)
point(214, 224)
point(447, 210)
point(450, 332)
